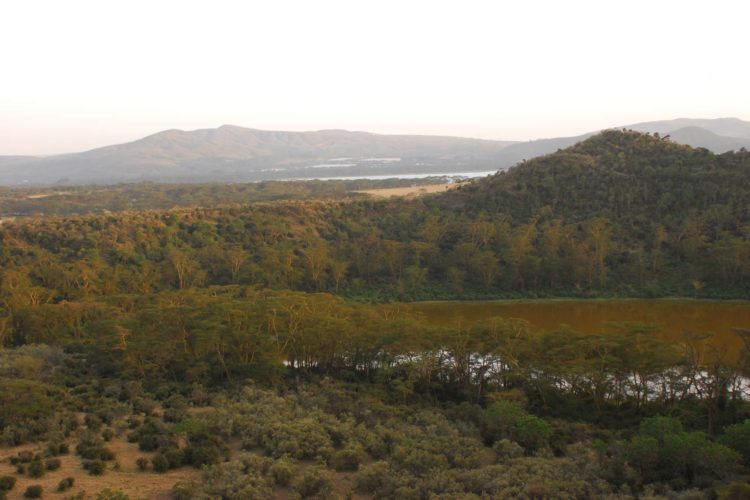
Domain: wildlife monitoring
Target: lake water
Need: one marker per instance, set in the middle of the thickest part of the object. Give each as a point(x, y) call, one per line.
point(452, 175)
point(673, 316)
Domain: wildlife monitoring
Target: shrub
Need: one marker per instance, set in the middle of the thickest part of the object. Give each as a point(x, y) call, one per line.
point(175, 408)
point(658, 427)
point(737, 437)
point(52, 463)
point(282, 471)
point(347, 459)
point(375, 477)
point(93, 422)
point(235, 480)
point(22, 457)
point(95, 467)
point(148, 442)
point(107, 434)
point(736, 491)
point(160, 463)
point(174, 457)
point(532, 432)
point(142, 463)
point(7, 483)
point(184, 490)
point(202, 454)
point(315, 482)
point(34, 491)
point(499, 419)
point(505, 449)
point(53, 449)
point(36, 469)
point(108, 494)
point(92, 448)
point(65, 484)
point(23, 400)
point(144, 405)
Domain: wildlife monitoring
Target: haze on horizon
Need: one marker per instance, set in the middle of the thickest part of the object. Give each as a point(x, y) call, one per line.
point(83, 74)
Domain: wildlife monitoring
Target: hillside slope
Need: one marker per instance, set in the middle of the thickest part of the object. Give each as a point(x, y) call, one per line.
point(617, 174)
point(231, 153)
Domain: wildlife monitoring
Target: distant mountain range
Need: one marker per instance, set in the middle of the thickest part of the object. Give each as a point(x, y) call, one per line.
point(231, 153)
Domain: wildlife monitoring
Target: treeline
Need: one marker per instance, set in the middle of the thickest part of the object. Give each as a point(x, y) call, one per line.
point(229, 334)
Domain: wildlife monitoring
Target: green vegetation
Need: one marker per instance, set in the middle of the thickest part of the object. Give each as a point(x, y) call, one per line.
point(96, 199)
point(226, 339)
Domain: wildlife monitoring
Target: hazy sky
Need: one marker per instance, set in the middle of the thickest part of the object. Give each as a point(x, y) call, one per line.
point(80, 74)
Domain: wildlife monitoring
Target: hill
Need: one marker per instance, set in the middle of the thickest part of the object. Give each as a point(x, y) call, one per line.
point(231, 153)
point(237, 154)
point(620, 213)
point(617, 174)
point(718, 135)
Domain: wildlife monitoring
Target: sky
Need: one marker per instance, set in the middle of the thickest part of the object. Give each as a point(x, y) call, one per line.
point(75, 75)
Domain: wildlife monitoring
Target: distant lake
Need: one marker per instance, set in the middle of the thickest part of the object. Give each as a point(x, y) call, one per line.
point(470, 175)
point(673, 316)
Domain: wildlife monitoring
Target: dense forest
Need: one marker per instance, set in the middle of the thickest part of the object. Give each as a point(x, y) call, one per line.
point(266, 345)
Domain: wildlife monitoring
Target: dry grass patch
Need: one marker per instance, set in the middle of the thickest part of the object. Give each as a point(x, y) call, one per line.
point(409, 191)
point(128, 479)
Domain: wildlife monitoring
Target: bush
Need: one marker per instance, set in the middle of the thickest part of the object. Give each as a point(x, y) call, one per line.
point(532, 432)
point(315, 482)
point(107, 434)
point(160, 463)
point(95, 467)
point(92, 448)
point(184, 490)
point(736, 491)
point(108, 494)
point(499, 419)
point(737, 437)
point(174, 458)
point(175, 408)
point(65, 484)
point(202, 454)
point(93, 422)
point(7, 483)
point(235, 480)
point(24, 400)
point(52, 463)
point(34, 491)
point(505, 449)
point(347, 459)
point(376, 477)
point(36, 469)
point(22, 457)
point(53, 449)
point(282, 471)
point(658, 427)
point(142, 463)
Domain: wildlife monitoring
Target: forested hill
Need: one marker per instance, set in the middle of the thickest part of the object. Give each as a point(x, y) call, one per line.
point(621, 214)
point(625, 176)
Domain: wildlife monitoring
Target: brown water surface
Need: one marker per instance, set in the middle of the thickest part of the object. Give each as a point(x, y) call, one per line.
point(672, 316)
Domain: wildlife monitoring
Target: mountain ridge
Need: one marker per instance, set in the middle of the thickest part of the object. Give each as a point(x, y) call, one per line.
point(234, 153)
